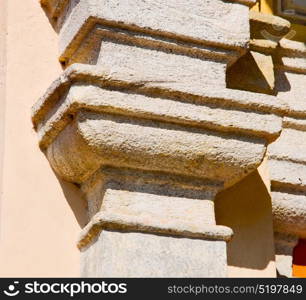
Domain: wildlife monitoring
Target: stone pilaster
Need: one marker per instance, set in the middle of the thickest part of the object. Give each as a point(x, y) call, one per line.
point(142, 121)
point(277, 65)
point(255, 71)
point(287, 160)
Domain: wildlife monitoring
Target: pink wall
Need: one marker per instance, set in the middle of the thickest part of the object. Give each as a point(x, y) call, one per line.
point(38, 227)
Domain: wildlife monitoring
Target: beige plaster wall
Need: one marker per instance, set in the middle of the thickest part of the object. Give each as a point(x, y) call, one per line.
point(3, 13)
point(38, 227)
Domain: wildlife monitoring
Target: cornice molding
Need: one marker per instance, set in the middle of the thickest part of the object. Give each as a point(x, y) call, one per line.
point(85, 89)
point(80, 17)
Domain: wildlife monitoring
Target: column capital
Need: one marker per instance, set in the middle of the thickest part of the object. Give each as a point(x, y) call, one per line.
point(196, 136)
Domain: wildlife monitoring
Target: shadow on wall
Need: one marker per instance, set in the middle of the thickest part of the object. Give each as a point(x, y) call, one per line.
point(75, 200)
point(246, 208)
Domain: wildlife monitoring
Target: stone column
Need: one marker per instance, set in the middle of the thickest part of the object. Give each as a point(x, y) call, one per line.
point(142, 121)
point(287, 159)
point(148, 224)
point(255, 71)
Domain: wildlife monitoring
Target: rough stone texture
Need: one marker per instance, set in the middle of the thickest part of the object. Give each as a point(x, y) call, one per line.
point(224, 110)
point(287, 158)
point(58, 11)
point(139, 64)
point(147, 128)
point(151, 202)
point(118, 254)
point(181, 228)
point(287, 168)
point(142, 207)
point(289, 212)
point(206, 116)
point(156, 146)
point(291, 57)
point(196, 20)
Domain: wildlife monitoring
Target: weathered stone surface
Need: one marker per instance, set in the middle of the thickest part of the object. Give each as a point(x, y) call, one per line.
point(103, 221)
point(59, 10)
point(152, 202)
point(163, 141)
point(83, 74)
point(292, 57)
point(288, 169)
point(118, 254)
point(289, 211)
point(129, 204)
point(195, 20)
point(286, 154)
point(156, 146)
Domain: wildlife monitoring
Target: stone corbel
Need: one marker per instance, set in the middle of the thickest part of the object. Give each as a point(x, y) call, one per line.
point(255, 71)
point(142, 121)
